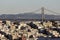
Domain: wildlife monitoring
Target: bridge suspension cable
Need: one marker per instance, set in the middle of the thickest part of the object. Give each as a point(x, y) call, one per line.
point(52, 11)
point(35, 11)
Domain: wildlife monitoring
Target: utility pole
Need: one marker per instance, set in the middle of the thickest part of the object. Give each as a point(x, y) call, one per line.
point(42, 12)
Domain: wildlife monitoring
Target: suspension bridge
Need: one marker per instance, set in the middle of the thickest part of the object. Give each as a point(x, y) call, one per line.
point(42, 10)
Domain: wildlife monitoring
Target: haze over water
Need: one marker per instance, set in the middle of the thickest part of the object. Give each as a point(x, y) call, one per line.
point(22, 6)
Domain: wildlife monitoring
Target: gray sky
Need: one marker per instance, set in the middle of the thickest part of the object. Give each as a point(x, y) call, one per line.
point(19, 6)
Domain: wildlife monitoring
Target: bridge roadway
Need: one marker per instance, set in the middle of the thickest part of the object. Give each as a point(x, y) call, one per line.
point(31, 19)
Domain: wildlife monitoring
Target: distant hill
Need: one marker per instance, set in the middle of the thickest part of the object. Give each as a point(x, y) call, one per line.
point(29, 16)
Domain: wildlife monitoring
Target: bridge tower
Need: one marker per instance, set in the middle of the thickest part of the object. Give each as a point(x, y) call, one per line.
point(42, 12)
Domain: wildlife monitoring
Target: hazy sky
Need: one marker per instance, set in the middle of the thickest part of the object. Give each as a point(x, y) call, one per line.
point(18, 6)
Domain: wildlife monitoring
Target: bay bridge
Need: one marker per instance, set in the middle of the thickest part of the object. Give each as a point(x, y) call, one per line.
point(42, 10)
